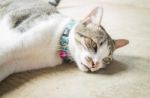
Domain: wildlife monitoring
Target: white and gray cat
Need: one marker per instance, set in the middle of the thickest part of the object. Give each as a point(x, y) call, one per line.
point(33, 35)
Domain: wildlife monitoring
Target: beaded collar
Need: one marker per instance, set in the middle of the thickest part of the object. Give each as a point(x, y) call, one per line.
point(64, 41)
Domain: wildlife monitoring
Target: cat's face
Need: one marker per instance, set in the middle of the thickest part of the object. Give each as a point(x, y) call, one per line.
point(94, 47)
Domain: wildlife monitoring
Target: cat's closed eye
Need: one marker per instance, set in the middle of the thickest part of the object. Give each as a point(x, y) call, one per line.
point(107, 60)
point(101, 44)
point(95, 47)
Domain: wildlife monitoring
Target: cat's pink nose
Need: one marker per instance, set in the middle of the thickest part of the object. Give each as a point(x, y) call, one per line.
point(95, 64)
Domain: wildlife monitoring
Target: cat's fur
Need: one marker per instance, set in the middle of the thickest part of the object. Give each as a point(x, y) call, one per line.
point(30, 32)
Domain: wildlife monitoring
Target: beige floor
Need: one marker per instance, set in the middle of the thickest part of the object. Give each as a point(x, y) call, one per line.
point(127, 77)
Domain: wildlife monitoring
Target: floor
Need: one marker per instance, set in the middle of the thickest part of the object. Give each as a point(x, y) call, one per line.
point(127, 77)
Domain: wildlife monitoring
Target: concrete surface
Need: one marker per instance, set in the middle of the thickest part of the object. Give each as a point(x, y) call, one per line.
point(127, 77)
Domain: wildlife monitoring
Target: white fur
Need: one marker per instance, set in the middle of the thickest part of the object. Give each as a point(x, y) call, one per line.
point(34, 49)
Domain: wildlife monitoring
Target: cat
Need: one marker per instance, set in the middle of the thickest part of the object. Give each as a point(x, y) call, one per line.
point(34, 35)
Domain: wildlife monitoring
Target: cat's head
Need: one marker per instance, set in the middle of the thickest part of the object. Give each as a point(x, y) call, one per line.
point(94, 47)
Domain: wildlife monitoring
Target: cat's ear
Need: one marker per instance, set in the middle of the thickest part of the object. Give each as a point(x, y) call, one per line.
point(120, 43)
point(94, 17)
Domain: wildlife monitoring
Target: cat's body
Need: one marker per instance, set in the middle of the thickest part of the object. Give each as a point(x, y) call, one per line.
point(36, 44)
point(30, 32)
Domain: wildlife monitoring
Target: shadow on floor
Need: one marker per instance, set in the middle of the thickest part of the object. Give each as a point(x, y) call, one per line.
point(114, 68)
point(16, 80)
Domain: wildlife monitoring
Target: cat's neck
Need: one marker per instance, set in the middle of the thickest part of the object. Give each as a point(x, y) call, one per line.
point(62, 23)
point(69, 27)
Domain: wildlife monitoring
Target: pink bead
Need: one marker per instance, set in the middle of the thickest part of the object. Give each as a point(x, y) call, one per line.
point(63, 54)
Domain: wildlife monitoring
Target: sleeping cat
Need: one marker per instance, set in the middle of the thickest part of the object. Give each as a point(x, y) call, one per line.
point(33, 35)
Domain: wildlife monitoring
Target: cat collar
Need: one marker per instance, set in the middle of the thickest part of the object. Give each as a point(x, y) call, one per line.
point(64, 41)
